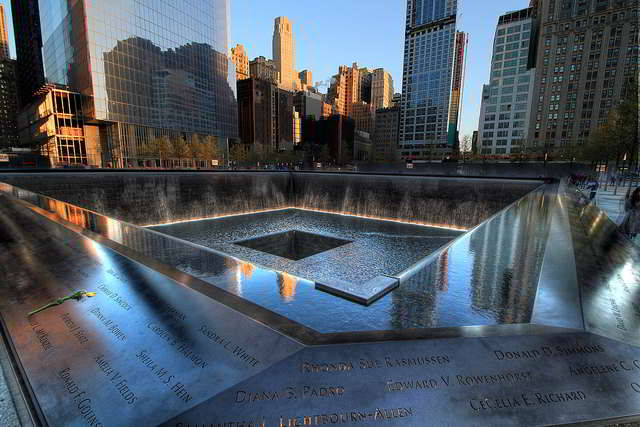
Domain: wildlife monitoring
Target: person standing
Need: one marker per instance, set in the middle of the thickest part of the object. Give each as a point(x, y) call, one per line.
point(631, 222)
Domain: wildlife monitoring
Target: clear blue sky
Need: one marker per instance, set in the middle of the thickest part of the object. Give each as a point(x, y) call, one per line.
point(370, 32)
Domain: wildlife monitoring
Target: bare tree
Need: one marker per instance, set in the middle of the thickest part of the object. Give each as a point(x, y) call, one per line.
point(466, 146)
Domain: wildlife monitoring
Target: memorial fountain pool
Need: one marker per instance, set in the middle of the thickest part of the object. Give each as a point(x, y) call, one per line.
point(236, 298)
point(397, 256)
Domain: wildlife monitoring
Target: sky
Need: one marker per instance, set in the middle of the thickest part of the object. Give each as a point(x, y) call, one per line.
point(330, 33)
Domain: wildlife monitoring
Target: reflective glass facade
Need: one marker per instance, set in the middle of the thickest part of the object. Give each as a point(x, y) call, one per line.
point(427, 78)
point(145, 63)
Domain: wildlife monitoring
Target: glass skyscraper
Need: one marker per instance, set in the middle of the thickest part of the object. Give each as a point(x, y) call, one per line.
point(429, 57)
point(147, 67)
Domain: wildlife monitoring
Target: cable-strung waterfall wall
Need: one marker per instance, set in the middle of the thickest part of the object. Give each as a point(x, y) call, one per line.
point(158, 198)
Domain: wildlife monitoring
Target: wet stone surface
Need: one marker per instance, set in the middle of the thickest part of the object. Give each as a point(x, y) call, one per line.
point(374, 247)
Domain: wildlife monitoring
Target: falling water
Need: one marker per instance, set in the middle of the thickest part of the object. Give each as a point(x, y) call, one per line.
point(155, 198)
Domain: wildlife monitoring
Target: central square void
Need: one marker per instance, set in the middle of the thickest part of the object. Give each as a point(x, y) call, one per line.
point(293, 244)
point(317, 246)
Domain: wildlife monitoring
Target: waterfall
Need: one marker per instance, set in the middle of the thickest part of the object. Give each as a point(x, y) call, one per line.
point(156, 198)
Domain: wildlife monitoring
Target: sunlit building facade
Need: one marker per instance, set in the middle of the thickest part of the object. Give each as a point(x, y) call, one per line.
point(306, 79)
point(4, 36)
point(345, 89)
point(241, 61)
point(353, 87)
point(55, 123)
point(381, 89)
point(264, 69)
point(284, 52)
point(146, 68)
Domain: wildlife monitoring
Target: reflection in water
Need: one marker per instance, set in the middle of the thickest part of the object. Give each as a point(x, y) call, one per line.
point(488, 276)
point(507, 261)
point(242, 271)
point(414, 301)
point(443, 267)
point(287, 284)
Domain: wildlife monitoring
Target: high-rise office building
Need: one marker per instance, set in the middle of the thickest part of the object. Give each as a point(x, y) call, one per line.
point(8, 103)
point(165, 73)
point(284, 52)
point(4, 35)
point(381, 89)
point(429, 61)
point(587, 50)
point(29, 66)
point(506, 101)
point(241, 61)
